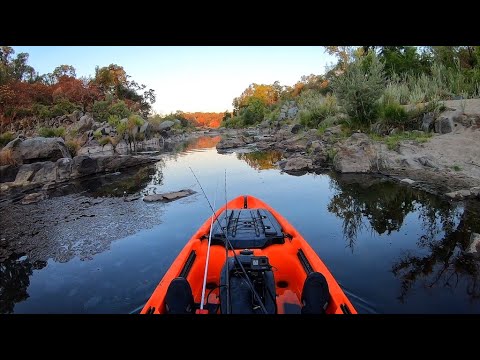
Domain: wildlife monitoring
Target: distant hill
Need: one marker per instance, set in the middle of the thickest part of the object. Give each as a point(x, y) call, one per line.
point(211, 120)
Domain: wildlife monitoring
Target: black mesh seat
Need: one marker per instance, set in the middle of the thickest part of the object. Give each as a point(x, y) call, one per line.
point(315, 294)
point(179, 298)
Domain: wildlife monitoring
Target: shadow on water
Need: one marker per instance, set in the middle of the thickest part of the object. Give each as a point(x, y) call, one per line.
point(379, 206)
point(14, 280)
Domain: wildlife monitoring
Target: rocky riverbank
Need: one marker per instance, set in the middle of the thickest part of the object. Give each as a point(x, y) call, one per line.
point(447, 164)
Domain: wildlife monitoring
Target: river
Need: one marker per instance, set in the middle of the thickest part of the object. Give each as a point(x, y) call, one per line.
point(392, 248)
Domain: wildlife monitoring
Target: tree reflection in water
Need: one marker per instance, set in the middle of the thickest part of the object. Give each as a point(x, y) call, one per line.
point(366, 202)
point(261, 160)
point(14, 281)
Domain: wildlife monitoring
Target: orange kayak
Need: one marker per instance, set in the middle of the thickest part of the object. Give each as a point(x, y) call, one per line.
point(270, 269)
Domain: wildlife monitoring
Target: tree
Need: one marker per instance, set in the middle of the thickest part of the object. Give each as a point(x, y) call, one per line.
point(345, 54)
point(64, 70)
point(359, 88)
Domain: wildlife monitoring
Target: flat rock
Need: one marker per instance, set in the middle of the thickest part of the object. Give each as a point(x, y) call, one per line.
point(170, 196)
point(33, 198)
point(459, 194)
point(408, 181)
point(474, 245)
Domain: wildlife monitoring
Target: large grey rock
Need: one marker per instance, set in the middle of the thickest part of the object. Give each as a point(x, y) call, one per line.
point(297, 163)
point(427, 122)
point(474, 244)
point(64, 169)
point(296, 128)
point(292, 112)
point(356, 155)
point(83, 165)
point(39, 149)
point(47, 173)
point(8, 173)
point(33, 198)
point(444, 125)
point(230, 143)
point(459, 194)
point(475, 191)
point(166, 125)
point(85, 123)
point(26, 173)
point(75, 116)
point(167, 197)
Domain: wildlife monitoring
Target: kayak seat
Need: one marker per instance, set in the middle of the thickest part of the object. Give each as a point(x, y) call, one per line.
point(315, 294)
point(179, 297)
point(242, 299)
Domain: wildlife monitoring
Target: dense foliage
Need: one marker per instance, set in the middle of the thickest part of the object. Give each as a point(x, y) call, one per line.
point(368, 84)
point(26, 93)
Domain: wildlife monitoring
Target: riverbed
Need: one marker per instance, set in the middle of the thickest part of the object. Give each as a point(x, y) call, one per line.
point(93, 246)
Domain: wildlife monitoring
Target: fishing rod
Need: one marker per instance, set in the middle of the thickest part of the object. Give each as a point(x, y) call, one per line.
point(208, 253)
point(228, 243)
point(227, 273)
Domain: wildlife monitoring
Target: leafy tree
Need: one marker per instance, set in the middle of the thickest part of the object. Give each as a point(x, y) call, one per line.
point(359, 88)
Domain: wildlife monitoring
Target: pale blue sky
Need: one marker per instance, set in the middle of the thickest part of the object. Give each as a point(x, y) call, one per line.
point(189, 78)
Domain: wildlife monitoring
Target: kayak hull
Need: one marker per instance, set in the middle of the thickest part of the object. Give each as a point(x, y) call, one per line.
point(291, 262)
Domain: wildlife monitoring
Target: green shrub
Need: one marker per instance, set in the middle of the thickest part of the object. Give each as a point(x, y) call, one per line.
point(103, 109)
point(62, 107)
point(42, 111)
point(97, 134)
point(51, 132)
point(114, 120)
point(393, 113)
point(73, 146)
point(254, 112)
point(314, 108)
point(104, 141)
point(359, 88)
point(6, 137)
point(119, 109)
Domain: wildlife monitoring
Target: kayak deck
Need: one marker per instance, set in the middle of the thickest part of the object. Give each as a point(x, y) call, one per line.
point(256, 233)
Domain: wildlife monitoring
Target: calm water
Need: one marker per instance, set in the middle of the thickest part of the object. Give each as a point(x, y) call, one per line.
point(393, 249)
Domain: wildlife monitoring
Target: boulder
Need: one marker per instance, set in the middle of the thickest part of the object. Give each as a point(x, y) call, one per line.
point(444, 125)
point(296, 128)
point(230, 143)
point(75, 116)
point(297, 163)
point(47, 173)
point(83, 165)
point(64, 169)
point(459, 194)
point(167, 197)
point(8, 173)
point(39, 149)
point(475, 191)
point(33, 198)
point(166, 125)
point(474, 244)
point(356, 155)
point(85, 123)
point(427, 122)
point(26, 173)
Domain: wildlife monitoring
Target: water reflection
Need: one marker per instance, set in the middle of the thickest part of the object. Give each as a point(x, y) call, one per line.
point(14, 281)
point(446, 263)
point(261, 160)
point(365, 203)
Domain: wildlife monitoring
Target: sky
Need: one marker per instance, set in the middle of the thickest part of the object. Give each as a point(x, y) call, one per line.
point(189, 78)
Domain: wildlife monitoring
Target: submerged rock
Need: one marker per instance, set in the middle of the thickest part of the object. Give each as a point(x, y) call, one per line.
point(171, 196)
